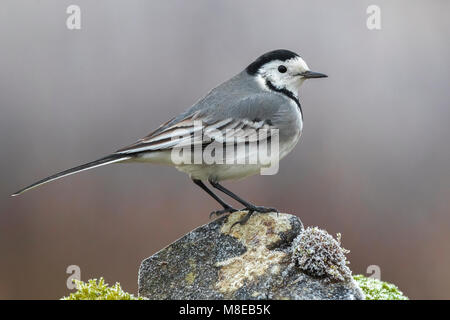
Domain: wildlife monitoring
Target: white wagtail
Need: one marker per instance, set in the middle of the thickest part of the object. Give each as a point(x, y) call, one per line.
point(263, 96)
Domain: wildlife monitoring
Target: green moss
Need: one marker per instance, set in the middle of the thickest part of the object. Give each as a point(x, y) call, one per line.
point(99, 290)
point(378, 290)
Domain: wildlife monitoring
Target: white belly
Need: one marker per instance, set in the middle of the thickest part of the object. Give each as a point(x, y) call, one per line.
point(219, 172)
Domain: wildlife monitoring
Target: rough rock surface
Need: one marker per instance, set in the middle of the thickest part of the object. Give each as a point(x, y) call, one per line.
point(253, 261)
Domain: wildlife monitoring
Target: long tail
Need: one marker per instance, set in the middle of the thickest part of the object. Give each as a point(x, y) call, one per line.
point(91, 165)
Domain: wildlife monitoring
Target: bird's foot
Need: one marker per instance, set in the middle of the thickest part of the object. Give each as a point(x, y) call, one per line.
point(261, 209)
point(251, 210)
point(218, 213)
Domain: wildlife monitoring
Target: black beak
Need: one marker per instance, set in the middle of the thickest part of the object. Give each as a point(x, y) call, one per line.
point(311, 74)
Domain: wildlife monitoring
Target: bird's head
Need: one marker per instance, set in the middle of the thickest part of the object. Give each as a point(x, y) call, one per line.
point(282, 69)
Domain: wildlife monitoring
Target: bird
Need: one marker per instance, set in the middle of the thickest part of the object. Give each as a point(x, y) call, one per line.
point(263, 96)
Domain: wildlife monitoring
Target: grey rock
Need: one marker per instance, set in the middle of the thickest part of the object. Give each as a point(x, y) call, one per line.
point(262, 259)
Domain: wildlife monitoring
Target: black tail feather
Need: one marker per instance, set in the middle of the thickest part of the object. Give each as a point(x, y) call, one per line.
point(97, 163)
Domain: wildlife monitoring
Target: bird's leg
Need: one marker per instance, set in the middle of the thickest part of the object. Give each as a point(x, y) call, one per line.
point(248, 206)
point(226, 207)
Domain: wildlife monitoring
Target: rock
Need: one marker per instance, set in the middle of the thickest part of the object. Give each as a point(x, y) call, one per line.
point(270, 257)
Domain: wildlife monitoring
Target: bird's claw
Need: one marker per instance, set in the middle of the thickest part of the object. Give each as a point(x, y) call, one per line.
point(218, 213)
point(251, 211)
point(243, 220)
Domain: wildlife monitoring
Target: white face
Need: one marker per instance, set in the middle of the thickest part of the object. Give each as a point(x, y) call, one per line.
point(284, 74)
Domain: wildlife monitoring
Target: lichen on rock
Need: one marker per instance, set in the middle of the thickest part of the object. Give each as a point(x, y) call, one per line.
point(257, 236)
point(97, 290)
point(319, 255)
point(270, 257)
point(250, 261)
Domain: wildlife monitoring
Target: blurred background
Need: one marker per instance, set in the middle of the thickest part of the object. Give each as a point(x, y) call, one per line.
point(373, 162)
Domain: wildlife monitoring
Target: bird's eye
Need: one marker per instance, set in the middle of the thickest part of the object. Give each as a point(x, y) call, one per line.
point(282, 69)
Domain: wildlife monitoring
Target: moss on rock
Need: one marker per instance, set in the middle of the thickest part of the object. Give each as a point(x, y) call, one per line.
point(99, 290)
point(378, 290)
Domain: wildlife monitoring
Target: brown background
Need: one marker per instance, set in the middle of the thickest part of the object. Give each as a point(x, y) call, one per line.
point(373, 162)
